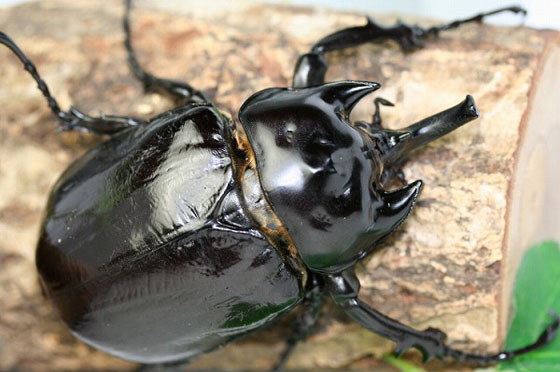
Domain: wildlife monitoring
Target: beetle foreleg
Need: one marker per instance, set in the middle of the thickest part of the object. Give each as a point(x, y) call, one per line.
point(73, 119)
point(344, 288)
point(312, 303)
point(179, 90)
point(311, 68)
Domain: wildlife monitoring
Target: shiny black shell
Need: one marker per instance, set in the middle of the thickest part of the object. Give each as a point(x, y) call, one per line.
point(148, 250)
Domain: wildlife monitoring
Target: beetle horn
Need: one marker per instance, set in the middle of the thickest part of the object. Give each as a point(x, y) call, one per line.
point(396, 207)
point(347, 93)
point(398, 144)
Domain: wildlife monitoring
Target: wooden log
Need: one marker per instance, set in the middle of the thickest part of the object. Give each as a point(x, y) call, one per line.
point(489, 186)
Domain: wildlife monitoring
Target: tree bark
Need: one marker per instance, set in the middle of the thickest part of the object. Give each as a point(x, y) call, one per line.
point(488, 186)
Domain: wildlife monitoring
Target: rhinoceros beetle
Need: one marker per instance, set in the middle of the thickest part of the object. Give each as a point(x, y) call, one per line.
point(181, 233)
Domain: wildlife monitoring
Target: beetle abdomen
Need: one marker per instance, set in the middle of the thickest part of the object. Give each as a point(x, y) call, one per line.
point(188, 297)
point(148, 253)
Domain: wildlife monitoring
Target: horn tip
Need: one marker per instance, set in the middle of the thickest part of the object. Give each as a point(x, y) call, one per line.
point(470, 107)
point(370, 85)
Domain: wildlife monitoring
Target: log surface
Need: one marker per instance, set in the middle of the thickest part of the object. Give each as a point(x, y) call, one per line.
point(444, 268)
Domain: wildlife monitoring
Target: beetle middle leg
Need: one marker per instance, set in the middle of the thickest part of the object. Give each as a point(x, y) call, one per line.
point(344, 288)
point(180, 91)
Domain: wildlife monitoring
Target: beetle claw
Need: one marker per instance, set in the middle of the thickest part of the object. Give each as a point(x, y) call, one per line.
point(426, 356)
point(400, 349)
point(409, 37)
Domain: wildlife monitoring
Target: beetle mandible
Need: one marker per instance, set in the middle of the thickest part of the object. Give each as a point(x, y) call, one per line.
point(197, 229)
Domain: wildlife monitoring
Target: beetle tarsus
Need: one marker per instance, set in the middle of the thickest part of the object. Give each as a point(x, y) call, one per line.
point(311, 68)
point(434, 31)
point(180, 91)
point(545, 337)
point(344, 288)
point(73, 119)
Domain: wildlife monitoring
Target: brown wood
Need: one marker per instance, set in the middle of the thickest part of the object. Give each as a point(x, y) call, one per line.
point(450, 266)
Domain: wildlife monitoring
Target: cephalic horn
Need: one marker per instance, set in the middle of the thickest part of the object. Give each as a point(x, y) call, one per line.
point(396, 145)
point(347, 93)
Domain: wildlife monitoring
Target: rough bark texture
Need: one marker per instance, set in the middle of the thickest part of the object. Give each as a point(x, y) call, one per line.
point(444, 268)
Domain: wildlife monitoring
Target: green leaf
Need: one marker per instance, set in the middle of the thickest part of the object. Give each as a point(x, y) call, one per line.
point(401, 365)
point(537, 289)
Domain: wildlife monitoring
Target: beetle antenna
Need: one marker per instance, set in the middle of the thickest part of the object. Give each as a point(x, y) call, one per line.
point(397, 145)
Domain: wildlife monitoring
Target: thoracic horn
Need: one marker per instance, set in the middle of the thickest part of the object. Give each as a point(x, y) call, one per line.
point(347, 93)
point(396, 206)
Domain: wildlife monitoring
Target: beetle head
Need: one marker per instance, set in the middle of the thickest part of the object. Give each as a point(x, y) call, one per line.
point(319, 172)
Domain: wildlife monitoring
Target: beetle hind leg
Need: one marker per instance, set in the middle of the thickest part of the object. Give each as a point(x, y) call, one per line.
point(73, 118)
point(180, 91)
point(344, 288)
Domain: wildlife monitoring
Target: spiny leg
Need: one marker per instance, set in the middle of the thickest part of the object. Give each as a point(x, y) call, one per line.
point(311, 67)
point(344, 288)
point(180, 91)
point(312, 303)
point(73, 118)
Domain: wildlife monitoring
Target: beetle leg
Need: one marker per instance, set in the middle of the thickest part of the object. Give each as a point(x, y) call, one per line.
point(312, 303)
point(376, 119)
point(311, 67)
point(344, 288)
point(73, 118)
point(178, 90)
point(477, 18)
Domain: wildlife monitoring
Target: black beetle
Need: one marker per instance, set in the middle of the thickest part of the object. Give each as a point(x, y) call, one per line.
point(181, 233)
